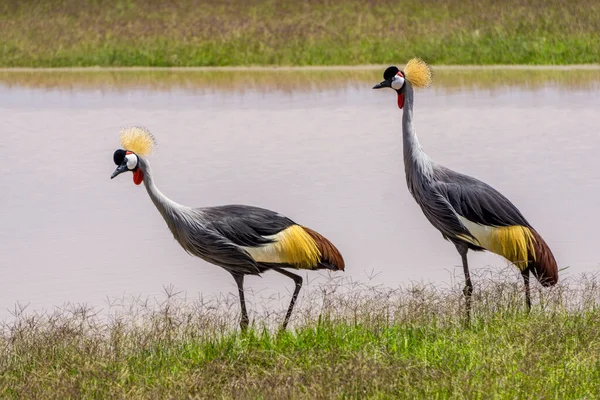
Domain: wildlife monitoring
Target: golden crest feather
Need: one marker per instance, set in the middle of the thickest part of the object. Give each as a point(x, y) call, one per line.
point(137, 139)
point(418, 73)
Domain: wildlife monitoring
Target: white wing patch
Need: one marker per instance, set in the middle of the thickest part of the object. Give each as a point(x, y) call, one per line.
point(268, 253)
point(482, 233)
point(515, 242)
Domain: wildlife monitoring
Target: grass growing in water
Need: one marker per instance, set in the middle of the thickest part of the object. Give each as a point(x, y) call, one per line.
point(350, 341)
point(291, 32)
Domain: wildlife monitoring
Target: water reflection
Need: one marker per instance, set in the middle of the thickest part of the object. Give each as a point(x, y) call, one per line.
point(291, 81)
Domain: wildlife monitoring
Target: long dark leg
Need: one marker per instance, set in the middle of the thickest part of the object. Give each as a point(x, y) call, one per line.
point(239, 279)
point(468, 291)
point(525, 274)
point(298, 280)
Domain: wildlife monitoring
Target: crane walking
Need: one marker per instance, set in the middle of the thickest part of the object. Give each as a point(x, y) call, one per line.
point(468, 212)
point(244, 240)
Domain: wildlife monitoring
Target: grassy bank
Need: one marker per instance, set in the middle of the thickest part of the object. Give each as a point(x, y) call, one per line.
point(348, 342)
point(56, 33)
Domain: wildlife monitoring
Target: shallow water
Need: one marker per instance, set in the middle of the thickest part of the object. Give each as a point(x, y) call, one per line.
point(320, 147)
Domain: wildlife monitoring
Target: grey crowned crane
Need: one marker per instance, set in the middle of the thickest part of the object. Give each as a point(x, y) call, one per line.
point(244, 240)
point(468, 212)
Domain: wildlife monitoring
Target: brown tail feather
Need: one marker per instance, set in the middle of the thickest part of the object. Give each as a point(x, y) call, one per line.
point(544, 267)
point(329, 253)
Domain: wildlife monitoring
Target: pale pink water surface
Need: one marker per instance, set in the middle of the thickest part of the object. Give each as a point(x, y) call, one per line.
point(327, 157)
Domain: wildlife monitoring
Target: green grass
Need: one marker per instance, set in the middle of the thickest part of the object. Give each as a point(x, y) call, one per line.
point(55, 33)
point(349, 341)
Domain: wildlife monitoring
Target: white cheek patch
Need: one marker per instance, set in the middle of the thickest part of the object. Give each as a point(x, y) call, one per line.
point(398, 82)
point(131, 161)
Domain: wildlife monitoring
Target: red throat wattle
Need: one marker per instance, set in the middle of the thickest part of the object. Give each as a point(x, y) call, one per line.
point(400, 100)
point(138, 176)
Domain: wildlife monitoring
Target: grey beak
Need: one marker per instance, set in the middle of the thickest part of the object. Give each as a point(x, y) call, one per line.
point(383, 84)
point(120, 169)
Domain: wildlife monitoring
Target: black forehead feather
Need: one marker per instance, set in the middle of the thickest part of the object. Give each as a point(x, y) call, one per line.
point(119, 156)
point(390, 72)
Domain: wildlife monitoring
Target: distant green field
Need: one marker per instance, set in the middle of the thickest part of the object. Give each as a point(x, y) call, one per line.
point(52, 33)
point(349, 341)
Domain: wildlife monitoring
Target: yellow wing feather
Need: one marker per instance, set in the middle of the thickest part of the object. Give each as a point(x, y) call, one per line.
point(298, 247)
point(514, 243)
point(292, 245)
point(138, 139)
point(418, 73)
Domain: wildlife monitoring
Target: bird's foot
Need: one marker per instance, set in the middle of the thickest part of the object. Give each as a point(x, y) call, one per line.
point(244, 325)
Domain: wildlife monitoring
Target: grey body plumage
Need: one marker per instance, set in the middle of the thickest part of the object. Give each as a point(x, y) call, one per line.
point(450, 199)
point(424, 178)
point(225, 235)
point(215, 234)
point(444, 194)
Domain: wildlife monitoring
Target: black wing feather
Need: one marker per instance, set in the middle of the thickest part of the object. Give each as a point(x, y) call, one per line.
point(245, 225)
point(226, 255)
point(477, 201)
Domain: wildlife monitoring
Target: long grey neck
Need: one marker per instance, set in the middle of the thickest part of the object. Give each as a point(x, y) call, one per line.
point(415, 159)
point(167, 207)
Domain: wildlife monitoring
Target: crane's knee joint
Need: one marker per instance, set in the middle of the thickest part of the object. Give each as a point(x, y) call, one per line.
point(298, 280)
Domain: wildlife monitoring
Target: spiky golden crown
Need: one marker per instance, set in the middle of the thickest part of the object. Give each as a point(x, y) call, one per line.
point(418, 73)
point(137, 139)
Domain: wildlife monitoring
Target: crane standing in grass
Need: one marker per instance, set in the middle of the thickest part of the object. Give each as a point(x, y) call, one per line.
point(468, 212)
point(244, 240)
